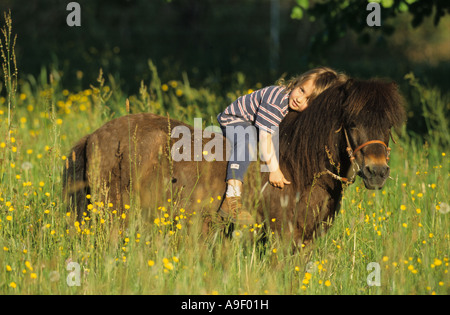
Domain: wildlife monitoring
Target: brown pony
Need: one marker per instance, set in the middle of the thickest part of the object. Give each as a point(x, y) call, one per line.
point(343, 133)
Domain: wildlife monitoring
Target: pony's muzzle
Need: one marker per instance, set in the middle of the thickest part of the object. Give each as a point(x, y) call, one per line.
point(375, 174)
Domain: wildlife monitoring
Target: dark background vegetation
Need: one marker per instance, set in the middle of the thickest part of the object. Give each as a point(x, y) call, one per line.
point(215, 41)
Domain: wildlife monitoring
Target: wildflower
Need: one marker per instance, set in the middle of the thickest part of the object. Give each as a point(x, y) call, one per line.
point(13, 285)
point(168, 265)
point(9, 218)
point(385, 258)
point(33, 276)
point(151, 263)
point(327, 283)
point(28, 265)
point(403, 207)
point(437, 262)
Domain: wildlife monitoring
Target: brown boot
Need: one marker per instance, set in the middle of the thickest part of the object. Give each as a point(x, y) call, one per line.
point(231, 208)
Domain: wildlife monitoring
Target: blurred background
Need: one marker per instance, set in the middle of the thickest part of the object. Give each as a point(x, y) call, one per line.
point(223, 44)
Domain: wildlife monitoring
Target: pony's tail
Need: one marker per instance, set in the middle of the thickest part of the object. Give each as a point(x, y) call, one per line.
point(75, 184)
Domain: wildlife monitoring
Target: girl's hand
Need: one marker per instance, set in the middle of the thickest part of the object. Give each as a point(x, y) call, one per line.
point(276, 179)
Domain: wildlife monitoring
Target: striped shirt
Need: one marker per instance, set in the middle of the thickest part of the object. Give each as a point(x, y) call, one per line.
point(264, 108)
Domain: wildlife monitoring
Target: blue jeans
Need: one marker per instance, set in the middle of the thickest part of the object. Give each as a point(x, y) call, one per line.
point(243, 137)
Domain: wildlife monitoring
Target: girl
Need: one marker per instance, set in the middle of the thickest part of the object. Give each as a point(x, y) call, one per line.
point(264, 110)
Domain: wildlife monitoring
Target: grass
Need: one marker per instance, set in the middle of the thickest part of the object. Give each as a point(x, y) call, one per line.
point(403, 229)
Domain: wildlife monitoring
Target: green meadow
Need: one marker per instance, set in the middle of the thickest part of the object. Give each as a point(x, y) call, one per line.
point(392, 241)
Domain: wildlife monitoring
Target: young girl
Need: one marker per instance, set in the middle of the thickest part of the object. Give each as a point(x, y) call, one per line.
point(264, 110)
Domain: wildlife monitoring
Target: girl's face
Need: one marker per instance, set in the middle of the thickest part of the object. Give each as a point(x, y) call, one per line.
point(298, 99)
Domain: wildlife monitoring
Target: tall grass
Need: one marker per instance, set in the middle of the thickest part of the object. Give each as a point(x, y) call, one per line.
point(403, 229)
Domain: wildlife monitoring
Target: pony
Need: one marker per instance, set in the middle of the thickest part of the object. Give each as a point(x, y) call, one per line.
point(343, 133)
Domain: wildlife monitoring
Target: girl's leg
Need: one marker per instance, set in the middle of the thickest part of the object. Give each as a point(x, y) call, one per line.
point(242, 140)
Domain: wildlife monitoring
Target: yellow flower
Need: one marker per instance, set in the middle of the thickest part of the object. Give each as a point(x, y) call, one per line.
point(9, 218)
point(33, 276)
point(168, 265)
point(385, 258)
point(437, 262)
point(8, 268)
point(28, 265)
point(403, 207)
point(327, 283)
point(151, 263)
point(13, 285)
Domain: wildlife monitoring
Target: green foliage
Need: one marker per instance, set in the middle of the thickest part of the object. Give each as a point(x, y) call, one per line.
point(339, 17)
point(434, 108)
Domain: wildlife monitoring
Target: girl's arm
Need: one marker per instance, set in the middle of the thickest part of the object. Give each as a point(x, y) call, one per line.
point(267, 150)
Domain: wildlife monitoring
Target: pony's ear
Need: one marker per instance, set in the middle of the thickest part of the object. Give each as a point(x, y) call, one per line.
point(345, 87)
point(349, 83)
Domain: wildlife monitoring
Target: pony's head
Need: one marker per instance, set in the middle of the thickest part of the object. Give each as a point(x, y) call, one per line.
point(370, 110)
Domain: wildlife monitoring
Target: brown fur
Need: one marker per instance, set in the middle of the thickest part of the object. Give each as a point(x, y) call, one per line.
point(130, 154)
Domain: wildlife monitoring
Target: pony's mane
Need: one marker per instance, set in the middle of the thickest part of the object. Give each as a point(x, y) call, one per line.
point(304, 136)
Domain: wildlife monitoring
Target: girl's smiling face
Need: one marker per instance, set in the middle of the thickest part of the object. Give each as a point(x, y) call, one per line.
point(298, 99)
